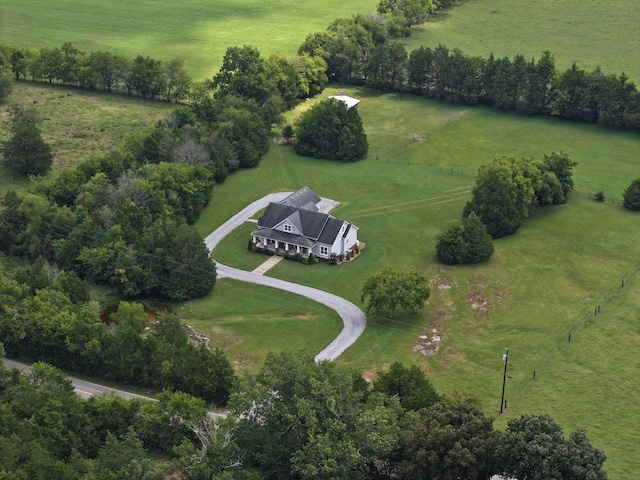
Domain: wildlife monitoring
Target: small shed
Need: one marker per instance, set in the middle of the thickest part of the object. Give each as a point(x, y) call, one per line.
point(350, 101)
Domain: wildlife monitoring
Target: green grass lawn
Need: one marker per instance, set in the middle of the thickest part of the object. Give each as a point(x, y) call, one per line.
point(272, 320)
point(587, 32)
point(197, 31)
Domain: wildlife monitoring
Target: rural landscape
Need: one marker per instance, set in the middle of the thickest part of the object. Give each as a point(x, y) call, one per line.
point(105, 240)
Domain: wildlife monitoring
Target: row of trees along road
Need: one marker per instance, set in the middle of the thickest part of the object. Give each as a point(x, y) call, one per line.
point(296, 419)
point(47, 315)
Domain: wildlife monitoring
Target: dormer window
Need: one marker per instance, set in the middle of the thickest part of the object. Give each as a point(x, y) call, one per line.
point(287, 228)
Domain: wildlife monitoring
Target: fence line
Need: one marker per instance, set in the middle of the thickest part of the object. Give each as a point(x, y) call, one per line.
point(586, 316)
point(593, 196)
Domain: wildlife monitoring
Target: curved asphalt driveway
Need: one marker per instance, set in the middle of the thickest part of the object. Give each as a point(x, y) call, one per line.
point(353, 318)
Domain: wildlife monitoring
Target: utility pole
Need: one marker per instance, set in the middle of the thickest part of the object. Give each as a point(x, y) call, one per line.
point(505, 358)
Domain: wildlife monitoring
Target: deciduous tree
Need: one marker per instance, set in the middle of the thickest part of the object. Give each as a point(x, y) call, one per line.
point(505, 193)
point(332, 131)
point(453, 439)
point(391, 290)
point(410, 384)
point(465, 242)
point(534, 448)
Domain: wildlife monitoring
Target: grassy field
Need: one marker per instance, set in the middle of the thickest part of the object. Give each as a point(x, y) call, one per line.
point(587, 32)
point(196, 31)
point(541, 285)
point(78, 124)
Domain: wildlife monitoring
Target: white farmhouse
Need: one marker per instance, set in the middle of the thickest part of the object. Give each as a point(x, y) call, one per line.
point(296, 226)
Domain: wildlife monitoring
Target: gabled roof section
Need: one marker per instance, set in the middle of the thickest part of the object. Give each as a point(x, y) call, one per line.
point(303, 198)
point(309, 223)
point(331, 231)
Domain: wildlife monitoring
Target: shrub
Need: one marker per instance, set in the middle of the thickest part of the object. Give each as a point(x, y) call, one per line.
point(599, 196)
point(631, 196)
point(465, 242)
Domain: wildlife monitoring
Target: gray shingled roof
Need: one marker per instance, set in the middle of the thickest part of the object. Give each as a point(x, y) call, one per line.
point(303, 198)
point(331, 231)
point(309, 223)
point(300, 208)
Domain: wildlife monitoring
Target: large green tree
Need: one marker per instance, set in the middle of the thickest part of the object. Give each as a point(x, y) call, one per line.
point(505, 193)
point(533, 448)
point(410, 384)
point(332, 131)
point(25, 151)
point(392, 290)
point(453, 439)
point(556, 175)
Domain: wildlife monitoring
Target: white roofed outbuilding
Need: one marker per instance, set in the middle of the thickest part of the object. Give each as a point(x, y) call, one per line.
point(350, 101)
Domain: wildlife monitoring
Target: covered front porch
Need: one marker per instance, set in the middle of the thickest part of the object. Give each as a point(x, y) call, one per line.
point(279, 247)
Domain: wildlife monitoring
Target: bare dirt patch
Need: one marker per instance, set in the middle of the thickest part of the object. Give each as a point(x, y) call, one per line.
point(478, 303)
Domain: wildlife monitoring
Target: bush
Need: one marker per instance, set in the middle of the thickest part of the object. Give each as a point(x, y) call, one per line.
point(631, 196)
point(465, 242)
point(599, 196)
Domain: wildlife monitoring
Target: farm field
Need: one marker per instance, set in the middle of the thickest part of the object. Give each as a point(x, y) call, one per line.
point(541, 285)
point(197, 31)
point(587, 32)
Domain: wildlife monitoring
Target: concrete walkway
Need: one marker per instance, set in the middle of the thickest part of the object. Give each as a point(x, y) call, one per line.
point(353, 318)
point(271, 262)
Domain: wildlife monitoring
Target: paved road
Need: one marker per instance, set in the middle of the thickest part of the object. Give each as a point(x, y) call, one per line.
point(83, 388)
point(88, 389)
point(353, 318)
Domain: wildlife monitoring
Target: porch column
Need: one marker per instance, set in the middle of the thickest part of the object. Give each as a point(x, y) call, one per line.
point(297, 248)
point(276, 244)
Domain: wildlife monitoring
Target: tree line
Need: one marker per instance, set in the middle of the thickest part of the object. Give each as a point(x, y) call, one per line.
point(294, 78)
point(356, 55)
point(46, 315)
point(295, 419)
point(124, 219)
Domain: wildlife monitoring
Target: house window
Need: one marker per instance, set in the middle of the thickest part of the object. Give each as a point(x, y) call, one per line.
point(287, 228)
point(324, 251)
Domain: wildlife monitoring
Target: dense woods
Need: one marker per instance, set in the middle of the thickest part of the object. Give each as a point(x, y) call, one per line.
point(295, 420)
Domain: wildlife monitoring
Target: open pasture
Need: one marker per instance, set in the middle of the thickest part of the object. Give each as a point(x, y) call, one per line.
point(541, 285)
point(77, 124)
point(197, 31)
point(587, 32)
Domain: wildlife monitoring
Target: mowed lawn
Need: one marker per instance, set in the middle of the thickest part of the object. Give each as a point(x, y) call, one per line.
point(197, 31)
point(587, 32)
point(540, 286)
